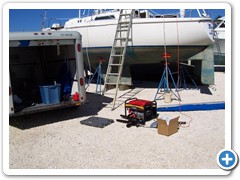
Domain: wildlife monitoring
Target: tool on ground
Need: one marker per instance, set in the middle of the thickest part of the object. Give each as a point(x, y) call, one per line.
point(138, 111)
point(132, 121)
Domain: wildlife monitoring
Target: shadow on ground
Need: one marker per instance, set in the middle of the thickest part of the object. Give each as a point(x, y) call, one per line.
point(219, 69)
point(205, 90)
point(91, 108)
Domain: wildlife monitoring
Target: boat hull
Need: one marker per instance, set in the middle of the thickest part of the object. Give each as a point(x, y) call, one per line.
point(150, 38)
point(145, 58)
point(148, 32)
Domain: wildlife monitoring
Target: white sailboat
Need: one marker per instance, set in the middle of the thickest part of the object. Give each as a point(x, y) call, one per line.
point(183, 36)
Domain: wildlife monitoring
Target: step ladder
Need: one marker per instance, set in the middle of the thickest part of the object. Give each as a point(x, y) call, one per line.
point(118, 52)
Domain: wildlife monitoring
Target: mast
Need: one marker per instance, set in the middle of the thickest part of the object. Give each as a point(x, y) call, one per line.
point(182, 13)
point(44, 17)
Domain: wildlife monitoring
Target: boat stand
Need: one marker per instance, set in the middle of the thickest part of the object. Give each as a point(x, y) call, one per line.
point(163, 86)
point(99, 77)
point(184, 71)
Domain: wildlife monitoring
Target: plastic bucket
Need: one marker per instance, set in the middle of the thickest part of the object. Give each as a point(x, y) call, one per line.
point(50, 94)
point(167, 97)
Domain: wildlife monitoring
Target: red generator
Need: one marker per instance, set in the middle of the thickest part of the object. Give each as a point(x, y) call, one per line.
point(140, 109)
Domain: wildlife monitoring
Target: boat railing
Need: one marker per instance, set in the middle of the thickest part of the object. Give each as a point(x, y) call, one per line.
point(86, 15)
point(183, 13)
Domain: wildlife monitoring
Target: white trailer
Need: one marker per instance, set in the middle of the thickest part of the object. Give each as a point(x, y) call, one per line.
point(42, 65)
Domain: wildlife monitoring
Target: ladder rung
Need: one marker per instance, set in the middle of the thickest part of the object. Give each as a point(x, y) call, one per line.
point(124, 22)
point(127, 14)
point(115, 64)
point(117, 55)
point(105, 103)
point(110, 83)
point(113, 74)
point(119, 103)
point(126, 97)
point(124, 39)
point(124, 26)
point(108, 93)
point(120, 30)
point(118, 46)
point(121, 38)
point(132, 94)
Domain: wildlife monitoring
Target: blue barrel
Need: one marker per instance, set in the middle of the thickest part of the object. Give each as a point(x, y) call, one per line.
point(50, 94)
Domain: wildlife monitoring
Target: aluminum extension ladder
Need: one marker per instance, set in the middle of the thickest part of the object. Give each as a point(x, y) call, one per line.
point(118, 52)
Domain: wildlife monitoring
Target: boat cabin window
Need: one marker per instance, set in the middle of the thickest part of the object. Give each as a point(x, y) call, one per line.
point(143, 15)
point(136, 13)
point(222, 25)
point(166, 16)
point(104, 17)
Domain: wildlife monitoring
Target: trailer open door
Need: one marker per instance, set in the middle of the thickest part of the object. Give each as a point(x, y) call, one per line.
point(46, 70)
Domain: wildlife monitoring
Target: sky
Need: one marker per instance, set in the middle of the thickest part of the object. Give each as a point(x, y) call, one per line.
point(32, 19)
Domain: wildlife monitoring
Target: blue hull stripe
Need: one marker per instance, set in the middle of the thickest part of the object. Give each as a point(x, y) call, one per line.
point(24, 43)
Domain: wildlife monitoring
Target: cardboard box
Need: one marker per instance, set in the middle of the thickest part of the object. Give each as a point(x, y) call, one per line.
point(166, 126)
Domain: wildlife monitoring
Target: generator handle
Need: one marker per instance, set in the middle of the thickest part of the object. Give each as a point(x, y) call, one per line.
point(155, 102)
point(130, 99)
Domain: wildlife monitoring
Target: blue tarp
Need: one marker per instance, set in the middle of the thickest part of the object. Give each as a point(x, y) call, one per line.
point(194, 107)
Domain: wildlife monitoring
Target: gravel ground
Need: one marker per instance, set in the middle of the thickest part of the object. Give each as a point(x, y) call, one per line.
point(57, 140)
